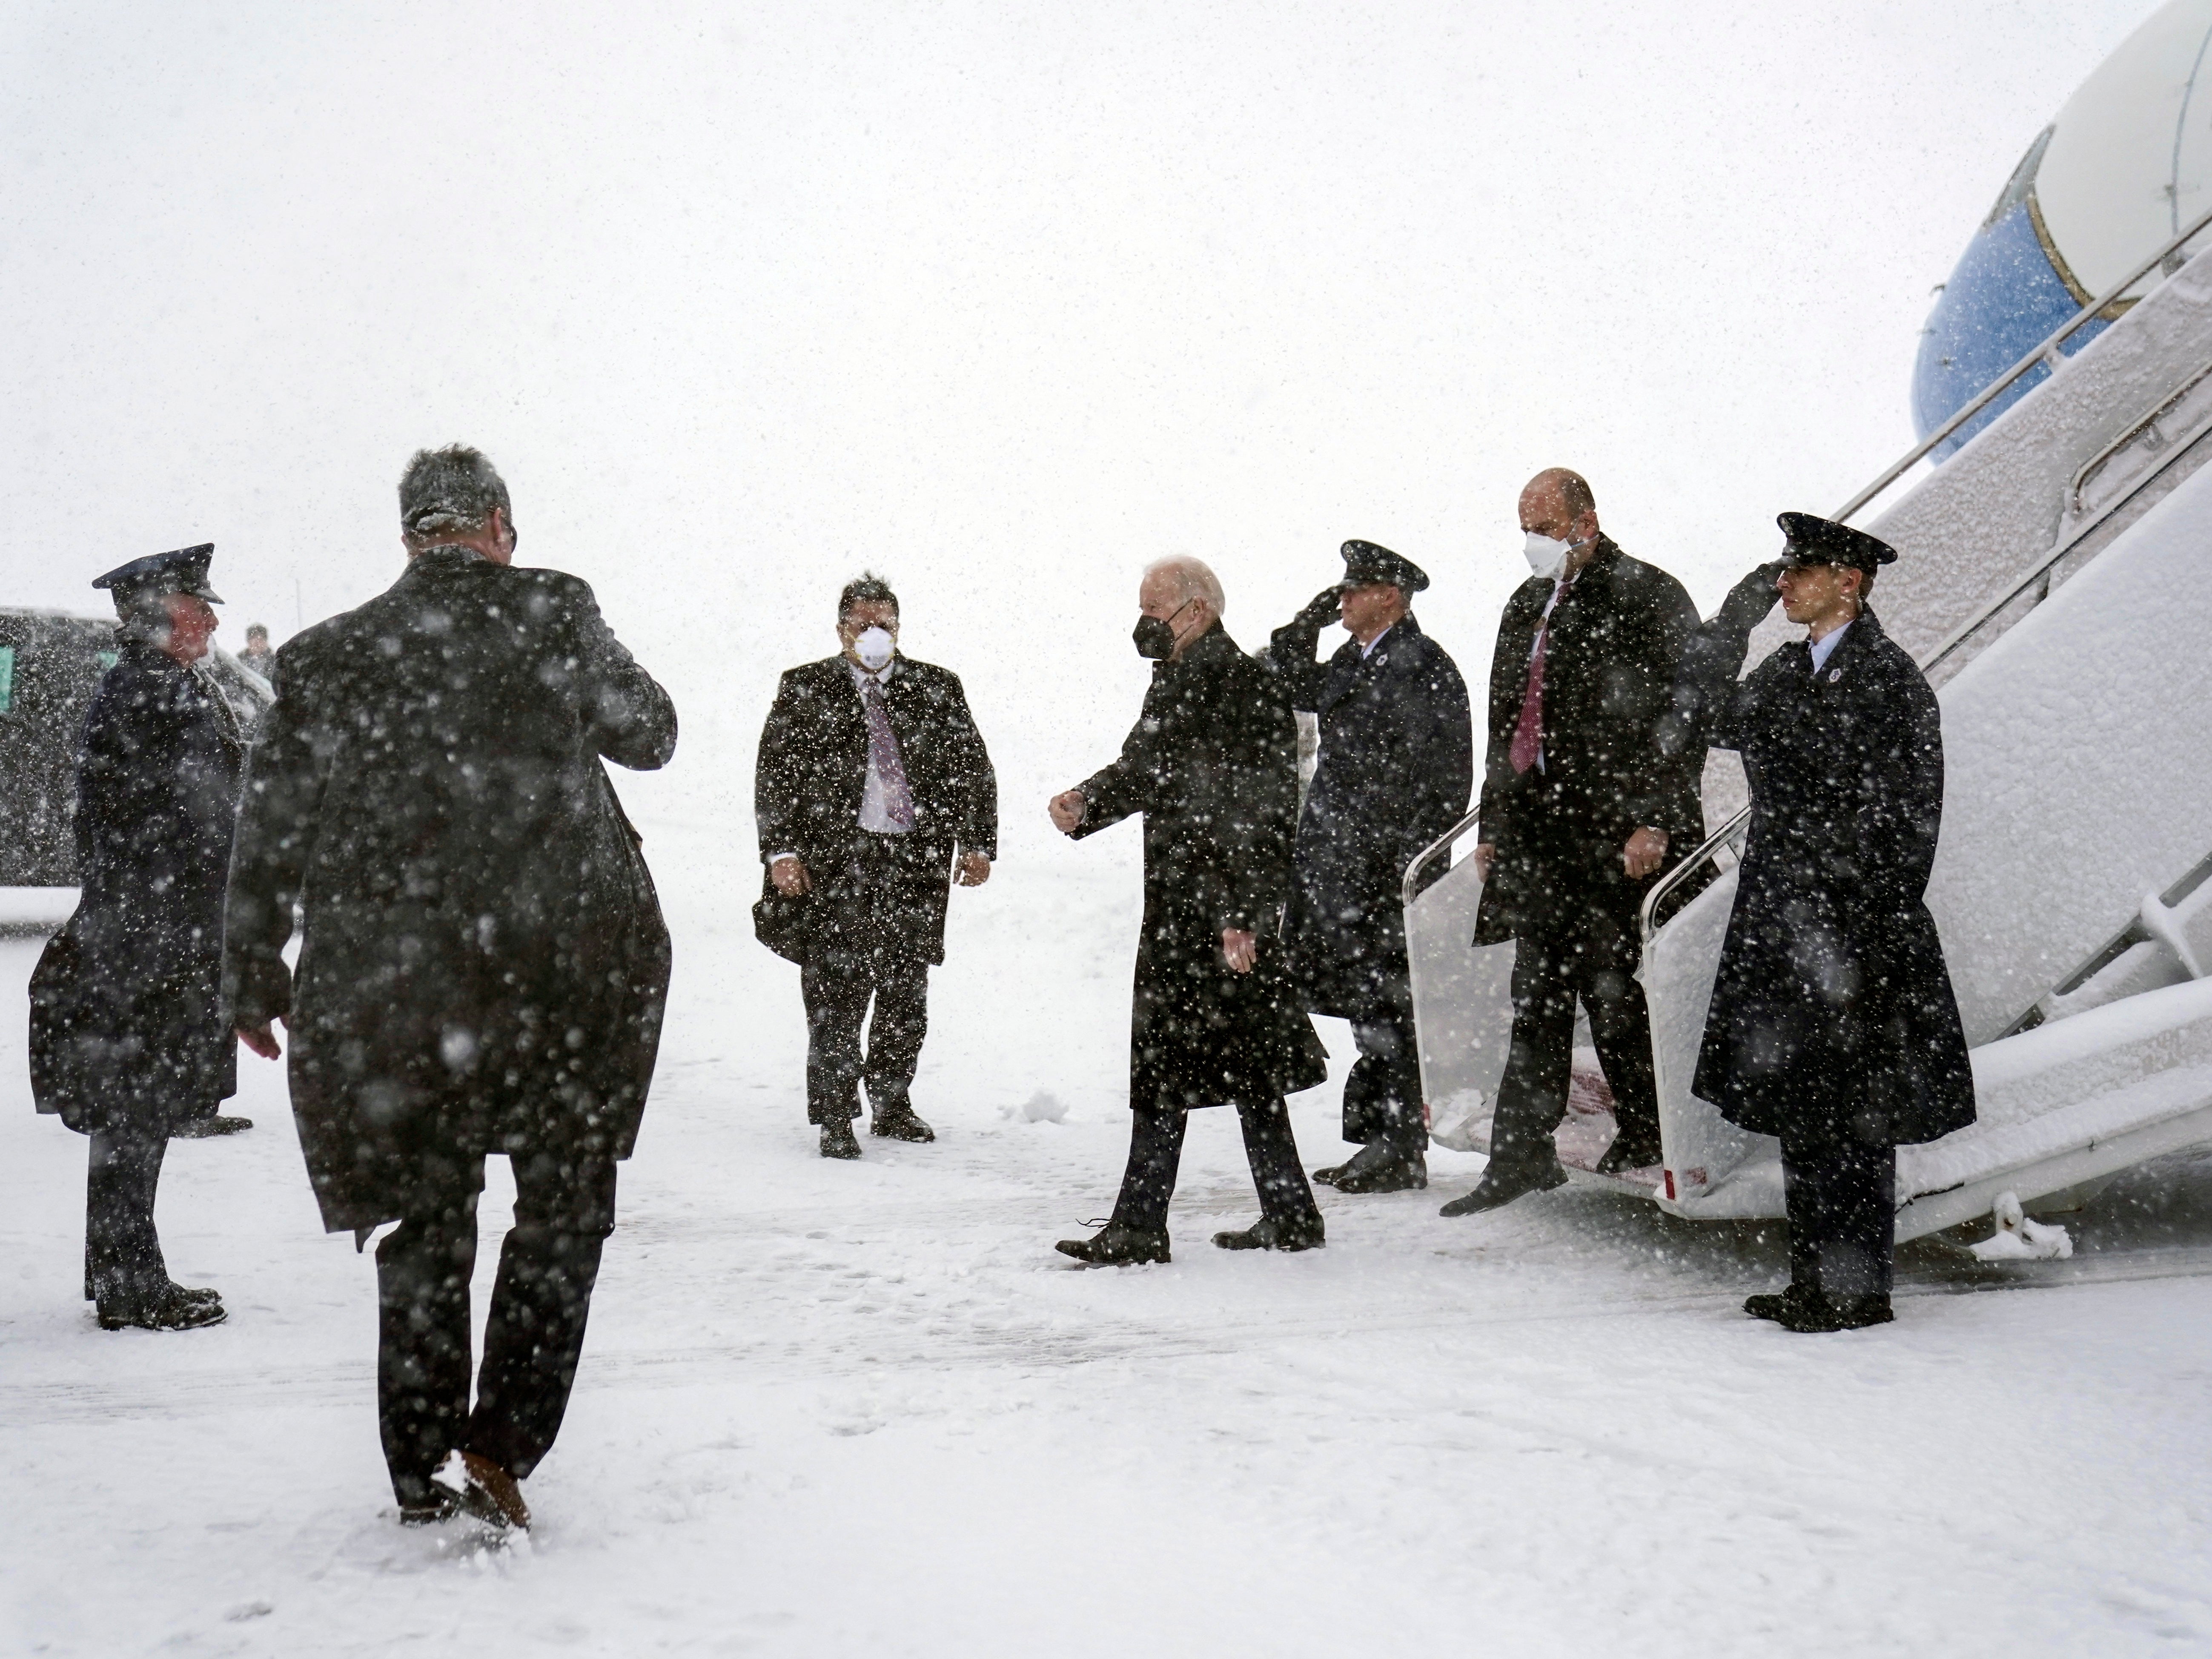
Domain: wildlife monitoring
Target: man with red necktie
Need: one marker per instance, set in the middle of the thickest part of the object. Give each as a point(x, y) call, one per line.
point(1580, 814)
point(874, 791)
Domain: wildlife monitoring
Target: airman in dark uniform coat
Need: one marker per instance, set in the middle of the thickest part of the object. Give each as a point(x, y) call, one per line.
point(1396, 767)
point(1833, 1024)
point(130, 1042)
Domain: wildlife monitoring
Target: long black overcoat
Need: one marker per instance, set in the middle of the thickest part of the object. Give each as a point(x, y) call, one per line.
point(1609, 669)
point(1212, 763)
point(483, 963)
point(1832, 1009)
point(128, 1029)
point(1396, 768)
point(813, 768)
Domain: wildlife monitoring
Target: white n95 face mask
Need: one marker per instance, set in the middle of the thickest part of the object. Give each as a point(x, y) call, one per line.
point(875, 646)
point(1546, 553)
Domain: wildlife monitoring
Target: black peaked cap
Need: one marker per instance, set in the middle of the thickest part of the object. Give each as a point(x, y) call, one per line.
point(182, 570)
point(1823, 541)
point(1370, 562)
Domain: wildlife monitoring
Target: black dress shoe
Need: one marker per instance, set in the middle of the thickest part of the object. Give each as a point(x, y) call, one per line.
point(1266, 1236)
point(1820, 1313)
point(1115, 1246)
point(1500, 1187)
point(1629, 1153)
point(1327, 1173)
point(838, 1140)
point(1390, 1174)
point(900, 1123)
point(165, 1310)
point(1771, 1304)
point(203, 1128)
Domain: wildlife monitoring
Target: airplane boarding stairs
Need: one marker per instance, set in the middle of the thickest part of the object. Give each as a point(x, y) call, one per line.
point(2054, 584)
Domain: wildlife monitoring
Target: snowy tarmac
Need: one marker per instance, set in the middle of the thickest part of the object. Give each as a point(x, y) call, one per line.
point(830, 1409)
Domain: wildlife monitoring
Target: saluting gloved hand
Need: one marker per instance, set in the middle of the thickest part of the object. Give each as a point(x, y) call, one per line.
point(1750, 600)
point(1322, 609)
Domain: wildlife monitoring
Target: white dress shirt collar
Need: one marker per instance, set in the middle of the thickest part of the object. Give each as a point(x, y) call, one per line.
point(861, 676)
point(1824, 649)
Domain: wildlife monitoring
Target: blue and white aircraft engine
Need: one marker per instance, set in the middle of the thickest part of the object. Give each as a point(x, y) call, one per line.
point(2122, 170)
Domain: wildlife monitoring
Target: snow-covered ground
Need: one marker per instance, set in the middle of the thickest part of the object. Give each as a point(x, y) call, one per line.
point(830, 1409)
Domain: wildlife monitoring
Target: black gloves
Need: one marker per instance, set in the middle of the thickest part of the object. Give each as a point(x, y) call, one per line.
point(1322, 609)
point(1750, 600)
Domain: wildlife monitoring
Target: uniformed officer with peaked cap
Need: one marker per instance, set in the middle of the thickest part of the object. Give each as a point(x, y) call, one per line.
point(1396, 767)
point(1833, 1024)
point(129, 1040)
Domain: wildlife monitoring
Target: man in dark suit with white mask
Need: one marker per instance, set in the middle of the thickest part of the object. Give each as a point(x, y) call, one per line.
point(873, 793)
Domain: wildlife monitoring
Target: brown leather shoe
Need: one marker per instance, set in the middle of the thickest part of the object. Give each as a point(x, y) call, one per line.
point(485, 1490)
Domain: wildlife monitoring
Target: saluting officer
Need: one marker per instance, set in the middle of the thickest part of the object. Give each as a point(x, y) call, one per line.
point(129, 1040)
point(1396, 768)
point(1833, 1024)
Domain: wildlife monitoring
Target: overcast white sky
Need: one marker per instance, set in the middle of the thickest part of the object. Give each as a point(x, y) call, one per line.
point(1000, 300)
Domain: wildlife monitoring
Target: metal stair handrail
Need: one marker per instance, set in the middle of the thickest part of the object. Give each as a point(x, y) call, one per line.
point(2047, 353)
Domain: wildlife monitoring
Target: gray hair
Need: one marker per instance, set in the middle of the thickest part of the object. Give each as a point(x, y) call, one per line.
point(450, 490)
point(1193, 579)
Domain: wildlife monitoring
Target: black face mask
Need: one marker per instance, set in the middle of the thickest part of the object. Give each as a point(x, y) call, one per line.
point(1156, 639)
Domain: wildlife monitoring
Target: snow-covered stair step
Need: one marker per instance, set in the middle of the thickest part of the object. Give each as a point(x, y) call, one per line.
point(2066, 795)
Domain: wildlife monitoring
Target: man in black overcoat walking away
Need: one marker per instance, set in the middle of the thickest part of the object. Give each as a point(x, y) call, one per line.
point(872, 792)
point(1580, 813)
point(1396, 767)
point(482, 966)
point(1211, 764)
point(130, 1043)
point(1833, 1024)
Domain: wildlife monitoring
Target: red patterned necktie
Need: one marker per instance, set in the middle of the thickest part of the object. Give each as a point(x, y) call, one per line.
point(883, 755)
point(1529, 730)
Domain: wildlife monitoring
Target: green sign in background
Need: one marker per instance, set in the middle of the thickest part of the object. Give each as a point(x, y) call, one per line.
point(7, 677)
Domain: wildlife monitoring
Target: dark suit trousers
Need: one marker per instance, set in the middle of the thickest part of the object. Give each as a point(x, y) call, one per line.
point(123, 1260)
point(1841, 1197)
point(866, 951)
point(563, 1211)
point(1382, 1095)
point(1588, 953)
point(1156, 1137)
